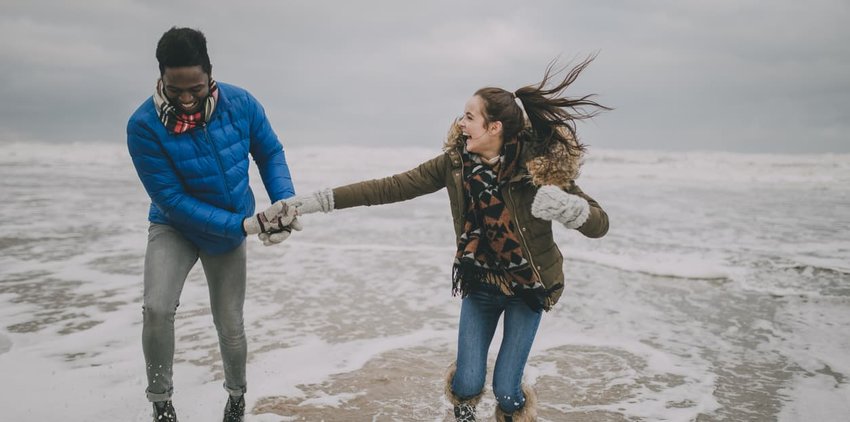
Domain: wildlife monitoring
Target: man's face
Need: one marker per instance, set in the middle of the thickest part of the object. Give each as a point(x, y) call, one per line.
point(187, 87)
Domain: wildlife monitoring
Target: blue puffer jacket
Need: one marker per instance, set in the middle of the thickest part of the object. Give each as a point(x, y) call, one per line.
point(198, 180)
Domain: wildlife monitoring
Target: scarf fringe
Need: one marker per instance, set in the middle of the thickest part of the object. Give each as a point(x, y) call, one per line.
point(466, 276)
point(536, 298)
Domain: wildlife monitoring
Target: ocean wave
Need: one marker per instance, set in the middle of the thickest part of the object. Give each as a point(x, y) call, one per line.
point(720, 167)
point(822, 265)
point(794, 279)
point(661, 264)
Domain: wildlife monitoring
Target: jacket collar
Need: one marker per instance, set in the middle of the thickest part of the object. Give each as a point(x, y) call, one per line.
point(556, 167)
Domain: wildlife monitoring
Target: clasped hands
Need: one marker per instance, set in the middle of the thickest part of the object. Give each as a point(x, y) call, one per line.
point(276, 223)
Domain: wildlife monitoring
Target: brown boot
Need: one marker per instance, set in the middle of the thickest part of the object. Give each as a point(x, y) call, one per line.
point(528, 412)
point(464, 410)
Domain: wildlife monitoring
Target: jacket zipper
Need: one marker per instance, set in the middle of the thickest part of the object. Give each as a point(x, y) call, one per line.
point(458, 172)
point(220, 166)
point(521, 236)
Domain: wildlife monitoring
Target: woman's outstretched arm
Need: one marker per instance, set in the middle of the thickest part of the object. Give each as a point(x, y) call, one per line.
point(426, 178)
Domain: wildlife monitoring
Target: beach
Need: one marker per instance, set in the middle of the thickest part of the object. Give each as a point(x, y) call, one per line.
point(721, 293)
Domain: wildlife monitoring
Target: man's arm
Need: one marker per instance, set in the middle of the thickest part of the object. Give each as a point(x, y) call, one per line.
point(268, 155)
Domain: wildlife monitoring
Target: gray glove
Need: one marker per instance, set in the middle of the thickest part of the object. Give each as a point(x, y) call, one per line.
point(274, 218)
point(320, 200)
point(552, 203)
point(275, 237)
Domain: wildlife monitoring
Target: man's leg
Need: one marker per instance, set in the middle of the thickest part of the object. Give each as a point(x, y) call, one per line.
point(168, 259)
point(226, 275)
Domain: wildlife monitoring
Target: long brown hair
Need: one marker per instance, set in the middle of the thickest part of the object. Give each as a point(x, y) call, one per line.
point(551, 115)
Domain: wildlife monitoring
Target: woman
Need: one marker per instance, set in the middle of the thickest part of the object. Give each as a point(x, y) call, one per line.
point(509, 165)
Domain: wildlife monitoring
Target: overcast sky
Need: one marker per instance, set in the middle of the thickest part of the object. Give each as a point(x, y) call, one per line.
point(735, 75)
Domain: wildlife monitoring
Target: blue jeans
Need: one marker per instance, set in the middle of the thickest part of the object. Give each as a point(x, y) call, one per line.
point(479, 315)
point(168, 259)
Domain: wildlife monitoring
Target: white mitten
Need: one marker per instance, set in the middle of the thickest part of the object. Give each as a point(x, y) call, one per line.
point(552, 203)
point(274, 218)
point(320, 200)
point(275, 237)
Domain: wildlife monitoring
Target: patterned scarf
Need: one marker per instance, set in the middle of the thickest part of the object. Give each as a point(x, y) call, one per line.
point(177, 122)
point(489, 250)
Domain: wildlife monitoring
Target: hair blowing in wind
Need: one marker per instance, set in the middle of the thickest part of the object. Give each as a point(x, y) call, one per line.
point(549, 111)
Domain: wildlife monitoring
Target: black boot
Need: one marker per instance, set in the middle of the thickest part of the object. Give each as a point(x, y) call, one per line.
point(163, 411)
point(234, 410)
point(465, 412)
point(464, 409)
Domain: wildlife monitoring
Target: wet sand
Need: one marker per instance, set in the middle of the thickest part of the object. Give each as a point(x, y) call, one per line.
point(353, 320)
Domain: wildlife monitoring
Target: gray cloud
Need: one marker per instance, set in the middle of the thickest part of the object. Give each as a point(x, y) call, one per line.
point(723, 75)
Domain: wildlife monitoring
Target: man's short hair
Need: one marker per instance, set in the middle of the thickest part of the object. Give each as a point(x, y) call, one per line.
point(181, 47)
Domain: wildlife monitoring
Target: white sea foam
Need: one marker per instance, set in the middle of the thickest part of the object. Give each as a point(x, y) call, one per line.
point(815, 170)
point(643, 329)
point(660, 264)
point(818, 398)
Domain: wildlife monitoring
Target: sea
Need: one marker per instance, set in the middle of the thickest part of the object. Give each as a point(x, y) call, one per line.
point(720, 293)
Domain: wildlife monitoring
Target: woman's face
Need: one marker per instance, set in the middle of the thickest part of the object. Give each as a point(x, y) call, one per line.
point(482, 139)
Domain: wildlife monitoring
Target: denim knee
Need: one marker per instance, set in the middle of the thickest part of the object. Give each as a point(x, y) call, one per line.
point(465, 387)
point(230, 329)
point(157, 314)
point(510, 399)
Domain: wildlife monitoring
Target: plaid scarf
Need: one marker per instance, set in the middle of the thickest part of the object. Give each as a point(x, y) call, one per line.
point(177, 122)
point(489, 250)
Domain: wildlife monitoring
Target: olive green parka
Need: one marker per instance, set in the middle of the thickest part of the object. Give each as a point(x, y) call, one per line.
point(446, 171)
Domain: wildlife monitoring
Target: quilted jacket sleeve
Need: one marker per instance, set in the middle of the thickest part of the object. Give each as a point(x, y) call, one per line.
point(166, 190)
point(428, 177)
point(268, 155)
point(596, 225)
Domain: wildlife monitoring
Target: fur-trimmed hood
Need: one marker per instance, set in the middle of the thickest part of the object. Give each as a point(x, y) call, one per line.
point(558, 166)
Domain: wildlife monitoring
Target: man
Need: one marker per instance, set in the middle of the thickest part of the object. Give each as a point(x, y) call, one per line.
point(190, 143)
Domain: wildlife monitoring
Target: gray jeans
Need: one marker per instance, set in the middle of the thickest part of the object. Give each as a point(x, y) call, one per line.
point(168, 259)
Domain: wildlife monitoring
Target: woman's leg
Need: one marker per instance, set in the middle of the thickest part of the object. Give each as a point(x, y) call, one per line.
point(520, 327)
point(479, 315)
point(168, 259)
